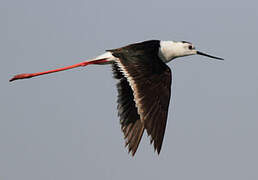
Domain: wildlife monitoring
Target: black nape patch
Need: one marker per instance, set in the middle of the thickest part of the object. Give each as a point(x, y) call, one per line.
point(186, 42)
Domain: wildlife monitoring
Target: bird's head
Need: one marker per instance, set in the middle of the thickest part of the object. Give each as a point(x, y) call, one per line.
point(170, 50)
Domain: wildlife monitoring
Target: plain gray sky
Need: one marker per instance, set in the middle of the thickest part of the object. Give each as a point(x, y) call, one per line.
point(65, 125)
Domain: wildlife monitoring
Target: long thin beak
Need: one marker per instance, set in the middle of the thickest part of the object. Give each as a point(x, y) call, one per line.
point(203, 54)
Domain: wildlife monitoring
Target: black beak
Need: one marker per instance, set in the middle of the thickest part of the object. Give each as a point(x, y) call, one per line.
point(203, 54)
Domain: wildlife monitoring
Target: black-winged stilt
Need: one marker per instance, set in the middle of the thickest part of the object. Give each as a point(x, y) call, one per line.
point(144, 85)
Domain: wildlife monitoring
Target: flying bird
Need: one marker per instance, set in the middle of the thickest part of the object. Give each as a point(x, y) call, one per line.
point(144, 86)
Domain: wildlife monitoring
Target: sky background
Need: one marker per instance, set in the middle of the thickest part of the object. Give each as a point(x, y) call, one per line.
point(65, 125)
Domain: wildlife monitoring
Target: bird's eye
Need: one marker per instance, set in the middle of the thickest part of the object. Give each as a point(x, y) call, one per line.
point(190, 47)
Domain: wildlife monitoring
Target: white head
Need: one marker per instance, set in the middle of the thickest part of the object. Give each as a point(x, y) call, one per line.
point(170, 50)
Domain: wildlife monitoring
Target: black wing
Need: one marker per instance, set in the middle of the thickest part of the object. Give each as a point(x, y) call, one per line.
point(130, 122)
point(150, 80)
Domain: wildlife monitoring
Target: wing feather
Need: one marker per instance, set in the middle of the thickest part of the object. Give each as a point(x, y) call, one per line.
point(150, 82)
point(130, 122)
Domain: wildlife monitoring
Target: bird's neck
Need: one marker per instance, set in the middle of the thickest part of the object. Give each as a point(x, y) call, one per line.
point(168, 51)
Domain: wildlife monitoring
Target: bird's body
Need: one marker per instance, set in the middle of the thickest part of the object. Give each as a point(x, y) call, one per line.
point(165, 50)
point(144, 86)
